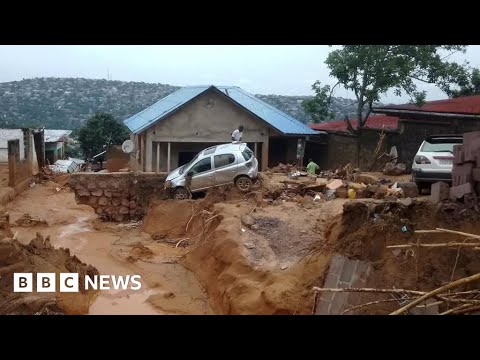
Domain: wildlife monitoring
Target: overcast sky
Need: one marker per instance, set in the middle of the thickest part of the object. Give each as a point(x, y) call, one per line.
point(259, 69)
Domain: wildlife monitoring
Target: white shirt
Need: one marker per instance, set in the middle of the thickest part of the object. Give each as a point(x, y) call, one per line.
point(237, 135)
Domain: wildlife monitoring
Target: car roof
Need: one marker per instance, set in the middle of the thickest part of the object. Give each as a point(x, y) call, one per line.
point(223, 148)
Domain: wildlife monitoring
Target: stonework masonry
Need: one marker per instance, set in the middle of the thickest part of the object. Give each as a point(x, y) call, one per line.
point(118, 196)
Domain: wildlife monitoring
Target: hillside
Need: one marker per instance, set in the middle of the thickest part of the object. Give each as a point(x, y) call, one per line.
point(67, 102)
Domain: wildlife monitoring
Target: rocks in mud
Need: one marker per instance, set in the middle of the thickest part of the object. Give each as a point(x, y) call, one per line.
point(26, 220)
point(249, 245)
point(248, 220)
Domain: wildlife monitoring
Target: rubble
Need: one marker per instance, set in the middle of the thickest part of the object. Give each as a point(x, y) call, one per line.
point(335, 184)
point(394, 170)
point(26, 220)
point(439, 192)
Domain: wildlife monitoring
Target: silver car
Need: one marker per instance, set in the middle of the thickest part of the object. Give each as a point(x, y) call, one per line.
point(218, 165)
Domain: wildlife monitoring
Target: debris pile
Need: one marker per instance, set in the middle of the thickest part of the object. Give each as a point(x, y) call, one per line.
point(26, 220)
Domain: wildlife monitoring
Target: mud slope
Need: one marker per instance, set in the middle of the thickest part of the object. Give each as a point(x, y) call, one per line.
point(246, 271)
point(365, 230)
point(35, 257)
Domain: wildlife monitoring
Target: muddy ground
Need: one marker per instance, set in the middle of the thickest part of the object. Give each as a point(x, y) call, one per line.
point(231, 253)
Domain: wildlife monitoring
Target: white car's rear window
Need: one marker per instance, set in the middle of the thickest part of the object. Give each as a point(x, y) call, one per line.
point(444, 146)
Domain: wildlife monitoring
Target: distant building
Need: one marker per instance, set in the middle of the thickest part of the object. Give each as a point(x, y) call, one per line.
point(55, 141)
point(172, 131)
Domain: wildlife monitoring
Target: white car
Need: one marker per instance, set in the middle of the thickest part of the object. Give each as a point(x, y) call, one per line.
point(218, 165)
point(434, 160)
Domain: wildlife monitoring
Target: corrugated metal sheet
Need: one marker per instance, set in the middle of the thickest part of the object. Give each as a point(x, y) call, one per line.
point(274, 117)
point(56, 135)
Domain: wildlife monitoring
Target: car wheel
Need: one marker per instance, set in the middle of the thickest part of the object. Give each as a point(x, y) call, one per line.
point(243, 183)
point(181, 193)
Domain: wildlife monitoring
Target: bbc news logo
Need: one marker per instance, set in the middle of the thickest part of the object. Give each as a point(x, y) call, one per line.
point(69, 282)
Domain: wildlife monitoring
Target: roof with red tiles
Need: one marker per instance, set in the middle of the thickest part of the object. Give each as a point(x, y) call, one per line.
point(373, 122)
point(460, 105)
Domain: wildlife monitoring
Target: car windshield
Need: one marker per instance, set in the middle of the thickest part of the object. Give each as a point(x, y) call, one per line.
point(441, 146)
point(183, 167)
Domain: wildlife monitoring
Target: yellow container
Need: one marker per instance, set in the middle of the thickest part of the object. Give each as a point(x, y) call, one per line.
point(352, 194)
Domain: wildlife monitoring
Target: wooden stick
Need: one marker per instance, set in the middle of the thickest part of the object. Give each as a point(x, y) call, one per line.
point(455, 309)
point(428, 232)
point(467, 310)
point(445, 298)
point(191, 217)
point(459, 233)
point(451, 244)
point(373, 303)
point(370, 290)
point(180, 241)
point(15, 236)
point(437, 291)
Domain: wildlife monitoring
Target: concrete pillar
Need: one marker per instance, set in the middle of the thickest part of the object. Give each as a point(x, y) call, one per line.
point(255, 150)
point(13, 159)
point(144, 147)
point(265, 154)
point(158, 156)
point(168, 157)
point(149, 149)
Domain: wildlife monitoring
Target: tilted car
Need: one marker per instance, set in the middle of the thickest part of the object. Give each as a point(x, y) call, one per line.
point(215, 166)
point(434, 160)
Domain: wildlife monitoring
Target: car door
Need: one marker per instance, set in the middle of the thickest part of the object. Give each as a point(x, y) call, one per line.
point(225, 168)
point(202, 174)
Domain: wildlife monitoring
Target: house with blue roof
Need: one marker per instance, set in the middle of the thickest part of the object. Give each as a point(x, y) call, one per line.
point(172, 131)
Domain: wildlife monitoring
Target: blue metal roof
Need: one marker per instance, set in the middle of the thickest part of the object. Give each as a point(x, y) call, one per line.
point(274, 117)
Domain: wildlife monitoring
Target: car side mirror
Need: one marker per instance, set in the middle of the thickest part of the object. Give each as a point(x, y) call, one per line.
point(190, 173)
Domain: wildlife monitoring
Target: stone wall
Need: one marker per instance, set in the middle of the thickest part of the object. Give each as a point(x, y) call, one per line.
point(118, 196)
point(357, 149)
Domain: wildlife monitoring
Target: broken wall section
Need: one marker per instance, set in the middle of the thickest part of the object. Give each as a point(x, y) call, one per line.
point(118, 196)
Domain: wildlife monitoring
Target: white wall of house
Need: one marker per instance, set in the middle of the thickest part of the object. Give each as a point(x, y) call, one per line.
point(10, 134)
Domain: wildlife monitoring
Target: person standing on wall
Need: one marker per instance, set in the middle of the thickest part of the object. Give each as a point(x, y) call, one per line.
point(237, 134)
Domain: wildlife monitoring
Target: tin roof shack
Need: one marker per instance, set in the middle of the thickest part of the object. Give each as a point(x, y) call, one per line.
point(70, 165)
point(173, 130)
point(55, 141)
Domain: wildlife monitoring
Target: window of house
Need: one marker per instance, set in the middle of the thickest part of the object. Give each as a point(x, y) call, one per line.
point(223, 160)
point(202, 166)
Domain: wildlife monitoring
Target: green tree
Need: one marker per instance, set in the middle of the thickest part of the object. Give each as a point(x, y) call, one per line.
point(318, 107)
point(100, 131)
point(472, 87)
point(372, 70)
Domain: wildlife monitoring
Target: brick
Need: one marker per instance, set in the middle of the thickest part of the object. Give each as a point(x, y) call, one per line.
point(440, 191)
point(471, 145)
point(348, 269)
point(337, 303)
point(322, 307)
point(462, 174)
point(457, 192)
point(458, 153)
point(336, 264)
point(476, 174)
point(116, 201)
